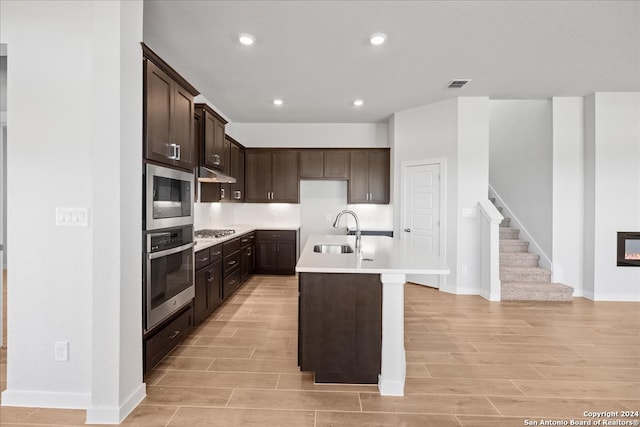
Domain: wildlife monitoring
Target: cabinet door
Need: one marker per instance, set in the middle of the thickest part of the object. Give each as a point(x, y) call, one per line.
point(237, 189)
point(359, 177)
point(311, 164)
point(266, 256)
point(285, 187)
point(286, 254)
point(210, 158)
point(214, 286)
point(258, 181)
point(182, 127)
point(200, 299)
point(336, 164)
point(158, 106)
point(378, 176)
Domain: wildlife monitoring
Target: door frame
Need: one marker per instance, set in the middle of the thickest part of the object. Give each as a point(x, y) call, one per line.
point(442, 162)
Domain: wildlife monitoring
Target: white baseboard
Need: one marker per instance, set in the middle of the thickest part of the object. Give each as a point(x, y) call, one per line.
point(46, 399)
point(115, 415)
point(459, 290)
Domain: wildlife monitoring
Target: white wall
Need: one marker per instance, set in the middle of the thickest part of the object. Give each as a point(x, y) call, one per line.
point(309, 134)
point(77, 130)
point(520, 163)
point(455, 130)
point(568, 192)
point(612, 197)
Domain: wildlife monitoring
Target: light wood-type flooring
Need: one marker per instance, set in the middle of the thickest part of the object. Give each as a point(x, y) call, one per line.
point(470, 363)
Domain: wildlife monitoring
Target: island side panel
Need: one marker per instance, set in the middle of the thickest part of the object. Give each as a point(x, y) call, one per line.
point(340, 326)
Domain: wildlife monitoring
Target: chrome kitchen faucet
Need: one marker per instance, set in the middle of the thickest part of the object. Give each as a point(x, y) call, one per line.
point(358, 233)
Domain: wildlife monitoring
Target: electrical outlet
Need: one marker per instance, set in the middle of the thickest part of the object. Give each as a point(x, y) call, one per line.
point(62, 351)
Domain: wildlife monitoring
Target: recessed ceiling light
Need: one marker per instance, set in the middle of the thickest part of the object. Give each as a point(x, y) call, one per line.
point(358, 103)
point(246, 39)
point(278, 101)
point(377, 38)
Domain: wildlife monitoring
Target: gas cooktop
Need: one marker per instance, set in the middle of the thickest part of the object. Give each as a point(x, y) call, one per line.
point(212, 234)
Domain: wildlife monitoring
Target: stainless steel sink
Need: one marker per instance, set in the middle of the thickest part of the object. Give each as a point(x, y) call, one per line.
point(333, 249)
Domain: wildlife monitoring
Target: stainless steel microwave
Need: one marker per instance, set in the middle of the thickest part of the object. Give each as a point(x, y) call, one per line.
point(169, 197)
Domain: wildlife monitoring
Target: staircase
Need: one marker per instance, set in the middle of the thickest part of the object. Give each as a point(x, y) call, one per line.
point(522, 279)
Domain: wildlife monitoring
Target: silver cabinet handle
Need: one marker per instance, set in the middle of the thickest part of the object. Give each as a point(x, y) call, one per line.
point(232, 262)
point(216, 159)
point(174, 152)
point(237, 194)
point(174, 334)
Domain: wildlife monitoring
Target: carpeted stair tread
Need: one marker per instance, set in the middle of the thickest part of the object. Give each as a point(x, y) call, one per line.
point(513, 245)
point(506, 222)
point(525, 274)
point(519, 259)
point(507, 233)
point(535, 291)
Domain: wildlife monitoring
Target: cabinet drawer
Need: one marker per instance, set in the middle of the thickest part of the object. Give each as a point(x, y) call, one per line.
point(276, 235)
point(202, 259)
point(230, 283)
point(215, 253)
point(247, 239)
point(230, 246)
point(231, 263)
point(160, 344)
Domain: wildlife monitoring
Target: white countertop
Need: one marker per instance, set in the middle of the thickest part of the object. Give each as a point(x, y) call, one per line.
point(387, 255)
point(240, 229)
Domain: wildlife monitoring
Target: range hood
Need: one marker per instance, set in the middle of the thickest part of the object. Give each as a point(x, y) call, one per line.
point(208, 175)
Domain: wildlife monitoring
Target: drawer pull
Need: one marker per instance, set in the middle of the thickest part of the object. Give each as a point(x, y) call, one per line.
point(216, 253)
point(203, 259)
point(174, 334)
point(232, 262)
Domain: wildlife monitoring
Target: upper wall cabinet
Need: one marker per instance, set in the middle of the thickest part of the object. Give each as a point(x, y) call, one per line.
point(271, 176)
point(215, 148)
point(324, 164)
point(369, 176)
point(168, 114)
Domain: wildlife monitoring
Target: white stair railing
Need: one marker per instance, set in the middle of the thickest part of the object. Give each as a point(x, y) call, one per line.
point(489, 251)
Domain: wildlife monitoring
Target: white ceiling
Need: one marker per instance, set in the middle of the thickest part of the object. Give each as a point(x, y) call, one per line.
point(316, 56)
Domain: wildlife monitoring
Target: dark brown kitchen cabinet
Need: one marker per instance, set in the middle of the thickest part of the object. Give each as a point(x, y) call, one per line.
point(168, 127)
point(369, 176)
point(208, 282)
point(214, 148)
point(276, 251)
point(234, 192)
point(164, 338)
point(230, 267)
point(340, 327)
point(271, 176)
point(324, 164)
point(247, 255)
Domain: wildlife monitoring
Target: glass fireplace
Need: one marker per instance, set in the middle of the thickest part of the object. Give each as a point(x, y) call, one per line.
point(628, 249)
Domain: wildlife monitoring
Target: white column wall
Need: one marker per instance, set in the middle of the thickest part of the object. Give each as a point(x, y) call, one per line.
point(568, 192)
point(472, 186)
point(612, 199)
point(74, 102)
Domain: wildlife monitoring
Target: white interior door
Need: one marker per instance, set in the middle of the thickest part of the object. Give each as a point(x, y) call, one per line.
point(421, 213)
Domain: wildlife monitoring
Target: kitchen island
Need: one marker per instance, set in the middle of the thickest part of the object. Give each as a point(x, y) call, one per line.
point(380, 262)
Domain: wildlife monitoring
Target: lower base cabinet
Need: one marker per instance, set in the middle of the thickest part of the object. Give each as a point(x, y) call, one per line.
point(276, 251)
point(340, 327)
point(159, 342)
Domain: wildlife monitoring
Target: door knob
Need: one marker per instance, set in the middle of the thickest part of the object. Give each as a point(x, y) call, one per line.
point(408, 230)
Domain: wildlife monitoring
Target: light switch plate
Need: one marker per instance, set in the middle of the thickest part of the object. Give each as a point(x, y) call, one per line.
point(72, 217)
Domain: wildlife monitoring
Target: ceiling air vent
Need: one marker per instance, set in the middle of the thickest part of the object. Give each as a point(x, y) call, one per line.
point(457, 83)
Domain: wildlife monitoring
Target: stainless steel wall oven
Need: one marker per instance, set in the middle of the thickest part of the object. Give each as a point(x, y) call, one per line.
point(169, 273)
point(169, 197)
